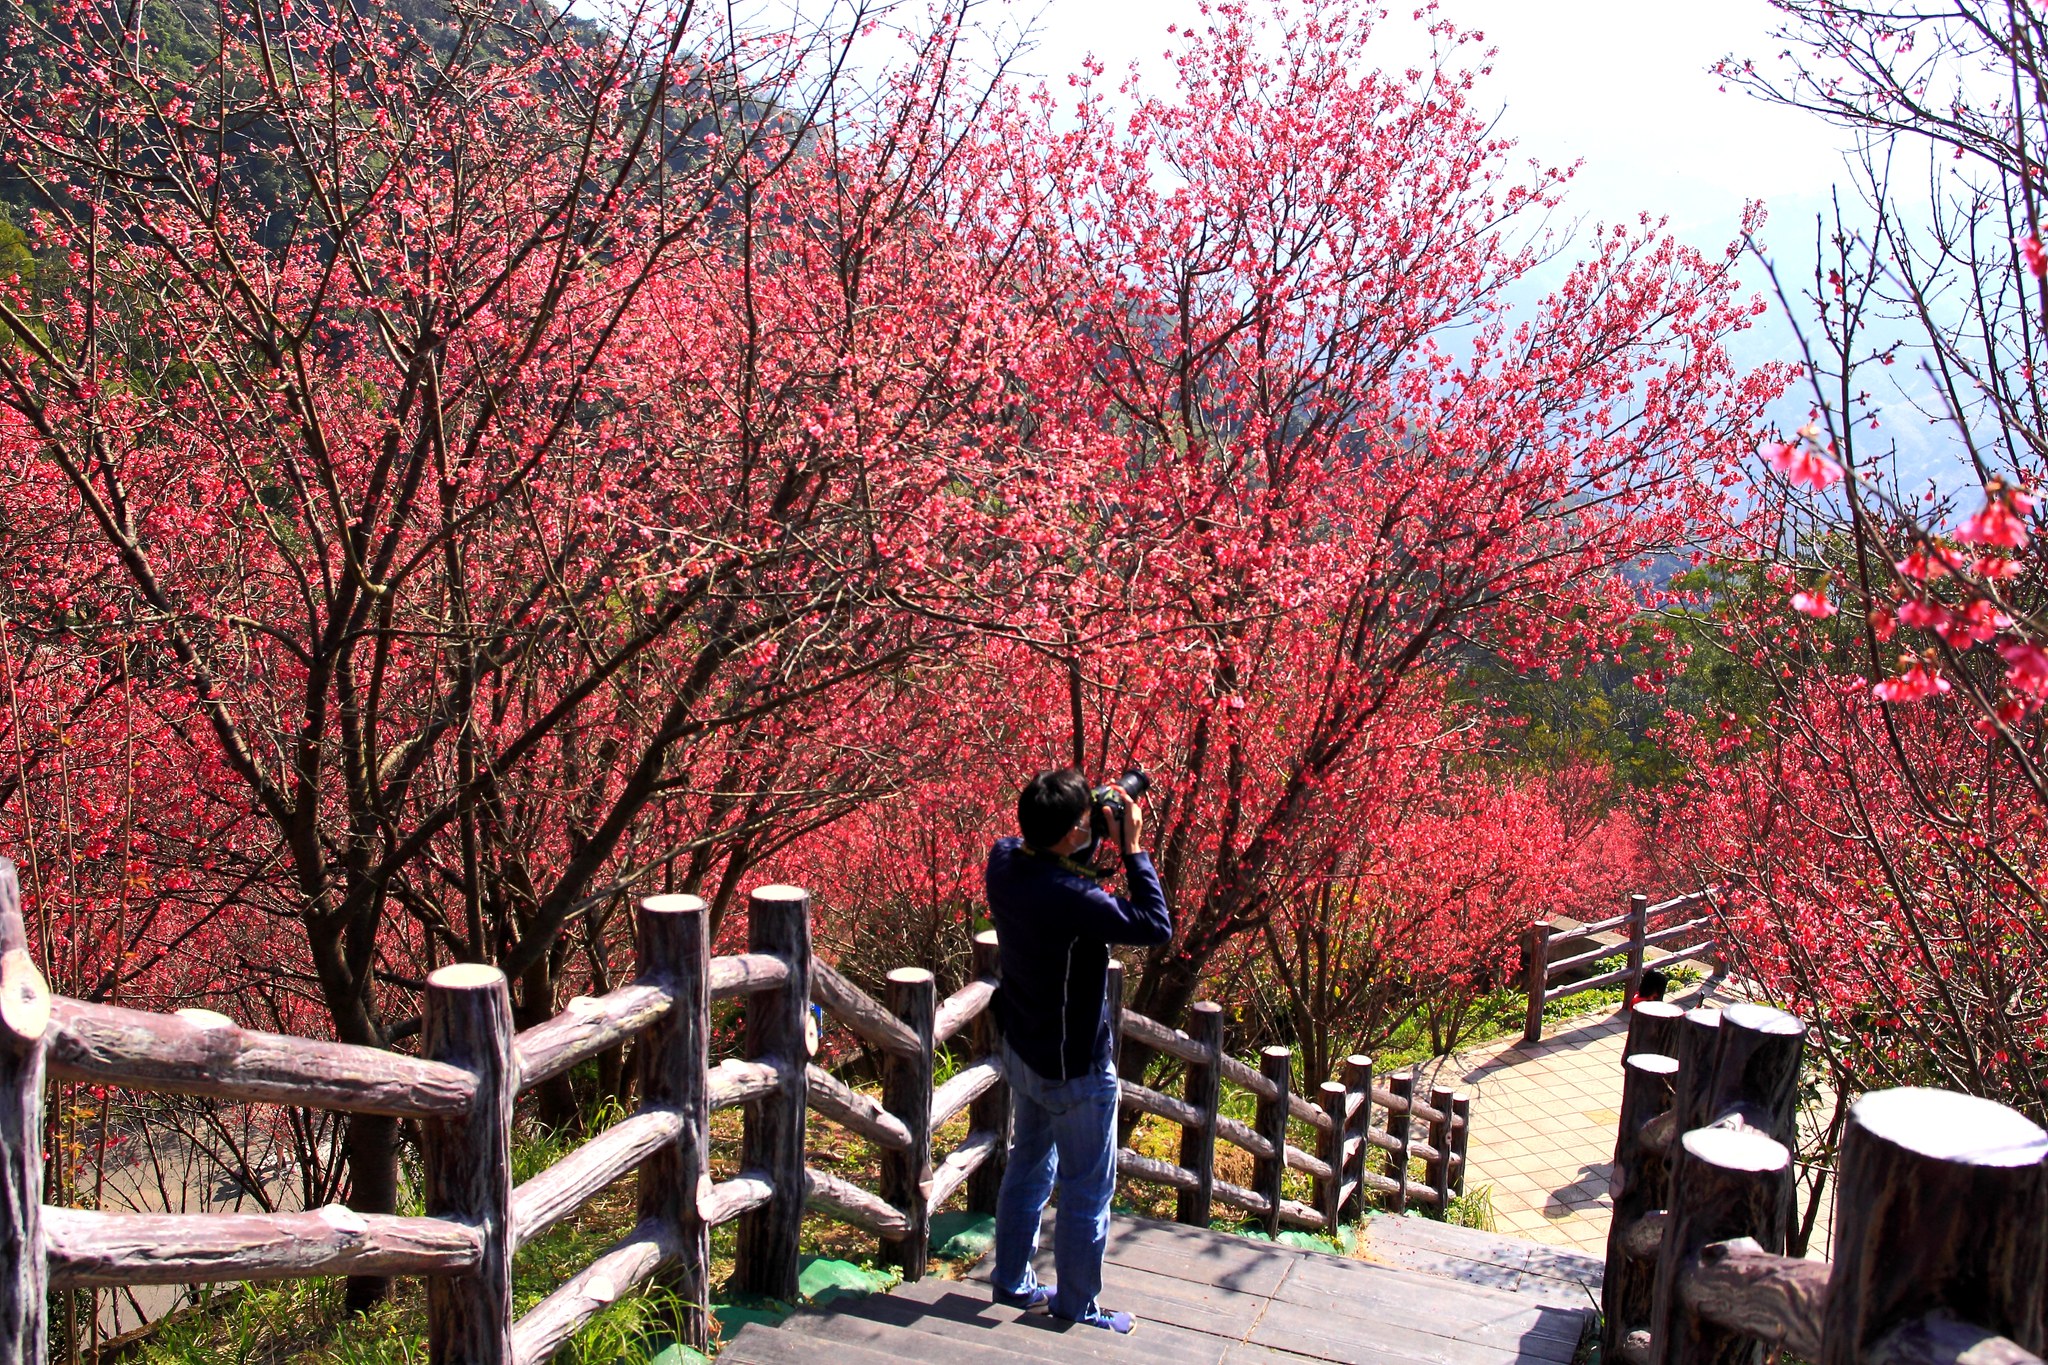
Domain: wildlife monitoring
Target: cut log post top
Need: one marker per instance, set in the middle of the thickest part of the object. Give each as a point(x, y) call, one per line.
point(1943, 1212)
point(1652, 1025)
point(1756, 1069)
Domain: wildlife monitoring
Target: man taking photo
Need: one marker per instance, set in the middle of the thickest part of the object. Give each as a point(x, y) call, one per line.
point(1054, 924)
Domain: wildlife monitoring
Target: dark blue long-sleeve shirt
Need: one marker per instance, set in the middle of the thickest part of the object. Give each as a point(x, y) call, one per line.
point(1054, 926)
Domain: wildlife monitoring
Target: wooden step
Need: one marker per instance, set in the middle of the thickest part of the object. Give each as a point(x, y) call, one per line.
point(963, 1310)
point(1209, 1298)
point(1546, 1274)
point(757, 1344)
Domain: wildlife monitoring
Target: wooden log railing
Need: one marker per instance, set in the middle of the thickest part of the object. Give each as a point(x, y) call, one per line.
point(462, 1091)
point(1941, 1213)
point(1336, 1125)
point(1681, 929)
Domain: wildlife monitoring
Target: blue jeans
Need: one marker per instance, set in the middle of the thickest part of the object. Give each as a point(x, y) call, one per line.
point(1066, 1128)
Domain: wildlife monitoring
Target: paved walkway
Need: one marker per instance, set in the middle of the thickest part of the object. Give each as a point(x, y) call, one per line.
point(1543, 1127)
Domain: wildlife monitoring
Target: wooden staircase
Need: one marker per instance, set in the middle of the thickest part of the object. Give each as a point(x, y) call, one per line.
point(1425, 1294)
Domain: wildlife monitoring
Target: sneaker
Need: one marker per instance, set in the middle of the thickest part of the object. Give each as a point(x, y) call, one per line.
point(1123, 1324)
point(1035, 1299)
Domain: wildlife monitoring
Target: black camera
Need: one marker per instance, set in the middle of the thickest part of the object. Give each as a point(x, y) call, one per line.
point(1126, 789)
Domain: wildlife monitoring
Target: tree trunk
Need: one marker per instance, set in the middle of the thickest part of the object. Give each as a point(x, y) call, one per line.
point(554, 1098)
point(370, 1148)
point(372, 1152)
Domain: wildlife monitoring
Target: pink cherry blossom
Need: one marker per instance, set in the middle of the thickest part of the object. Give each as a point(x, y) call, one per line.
point(1916, 684)
point(1814, 604)
point(1803, 464)
point(1994, 524)
point(2032, 254)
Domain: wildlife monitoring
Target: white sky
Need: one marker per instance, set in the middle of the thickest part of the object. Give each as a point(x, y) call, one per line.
point(1621, 84)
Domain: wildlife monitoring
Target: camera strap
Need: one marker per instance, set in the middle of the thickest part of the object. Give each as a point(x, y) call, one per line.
point(1062, 860)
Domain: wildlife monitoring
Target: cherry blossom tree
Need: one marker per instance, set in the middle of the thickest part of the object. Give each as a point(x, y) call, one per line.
point(1352, 460)
point(1877, 827)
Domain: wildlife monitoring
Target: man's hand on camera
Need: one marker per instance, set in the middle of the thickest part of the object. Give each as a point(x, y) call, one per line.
point(1126, 823)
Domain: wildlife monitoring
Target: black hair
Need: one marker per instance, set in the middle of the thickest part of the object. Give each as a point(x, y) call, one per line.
point(1051, 804)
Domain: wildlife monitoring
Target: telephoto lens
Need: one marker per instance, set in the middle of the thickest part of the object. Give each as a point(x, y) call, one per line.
point(1132, 785)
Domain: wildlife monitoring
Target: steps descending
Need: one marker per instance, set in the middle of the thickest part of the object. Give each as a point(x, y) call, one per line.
point(1205, 1298)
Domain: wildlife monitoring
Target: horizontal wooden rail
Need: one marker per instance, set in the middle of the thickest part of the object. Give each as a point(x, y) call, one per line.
point(628, 1264)
point(745, 974)
point(1686, 954)
point(963, 1162)
point(1238, 1197)
point(1237, 1073)
point(734, 1082)
point(849, 1203)
point(962, 1008)
point(587, 1026)
point(728, 1199)
point(1303, 1110)
point(1621, 974)
point(88, 1249)
point(1676, 931)
point(1299, 1160)
point(1241, 1134)
point(1157, 1172)
point(579, 1177)
point(1172, 1041)
point(967, 1085)
point(1149, 1101)
point(207, 1054)
point(1598, 926)
point(1704, 893)
point(1297, 1214)
point(1586, 959)
point(1591, 983)
point(1779, 1300)
point(1396, 1104)
point(860, 1012)
point(846, 1106)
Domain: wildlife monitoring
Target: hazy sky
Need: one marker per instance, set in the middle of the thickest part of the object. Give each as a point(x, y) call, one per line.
point(1621, 84)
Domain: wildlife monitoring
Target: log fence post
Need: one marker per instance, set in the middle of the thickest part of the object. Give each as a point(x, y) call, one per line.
point(1638, 930)
point(1725, 1183)
point(1535, 976)
point(1332, 1097)
point(1756, 1069)
point(1638, 1186)
point(1204, 1090)
point(466, 1162)
point(1461, 1111)
point(1652, 1027)
point(24, 1023)
point(674, 1055)
point(772, 1141)
point(1400, 1127)
point(990, 1112)
point(1440, 1138)
point(907, 1093)
point(1276, 1064)
point(1698, 1041)
point(1942, 1215)
point(1358, 1081)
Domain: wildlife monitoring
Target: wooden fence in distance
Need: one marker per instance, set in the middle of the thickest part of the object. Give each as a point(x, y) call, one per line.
point(1339, 1118)
point(1680, 929)
point(1941, 1212)
point(461, 1091)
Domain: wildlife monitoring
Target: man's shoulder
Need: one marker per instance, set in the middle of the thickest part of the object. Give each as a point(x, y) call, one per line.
point(1004, 855)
